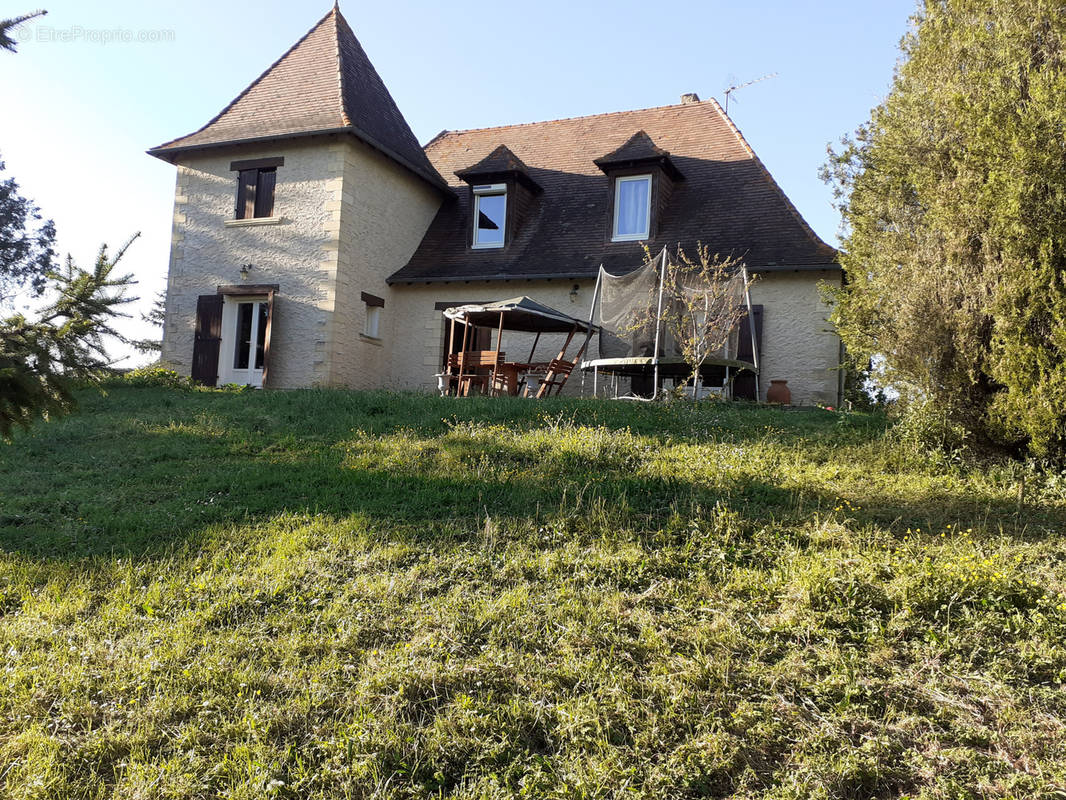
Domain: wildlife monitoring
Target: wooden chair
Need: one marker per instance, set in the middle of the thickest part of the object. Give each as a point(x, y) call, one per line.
point(472, 368)
point(556, 377)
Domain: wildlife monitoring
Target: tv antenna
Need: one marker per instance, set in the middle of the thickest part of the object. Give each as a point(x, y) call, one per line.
point(736, 86)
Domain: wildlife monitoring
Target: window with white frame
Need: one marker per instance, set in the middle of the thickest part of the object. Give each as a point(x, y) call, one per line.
point(632, 208)
point(490, 215)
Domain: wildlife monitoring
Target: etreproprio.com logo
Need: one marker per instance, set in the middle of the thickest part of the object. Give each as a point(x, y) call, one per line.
point(75, 34)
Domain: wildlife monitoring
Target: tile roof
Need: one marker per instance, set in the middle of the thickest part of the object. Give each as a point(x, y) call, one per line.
point(322, 84)
point(728, 200)
point(499, 160)
point(499, 163)
point(637, 147)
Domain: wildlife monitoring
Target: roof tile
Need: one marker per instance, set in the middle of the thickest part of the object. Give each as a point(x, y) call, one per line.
point(728, 201)
point(323, 83)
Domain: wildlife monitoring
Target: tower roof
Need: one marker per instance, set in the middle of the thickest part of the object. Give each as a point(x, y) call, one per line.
point(322, 84)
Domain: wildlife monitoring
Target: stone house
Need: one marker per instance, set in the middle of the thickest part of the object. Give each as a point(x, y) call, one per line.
point(316, 243)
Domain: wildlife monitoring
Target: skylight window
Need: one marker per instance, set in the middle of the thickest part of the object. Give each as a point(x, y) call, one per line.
point(632, 208)
point(490, 215)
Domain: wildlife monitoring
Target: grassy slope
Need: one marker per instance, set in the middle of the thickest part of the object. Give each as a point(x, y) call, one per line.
point(322, 594)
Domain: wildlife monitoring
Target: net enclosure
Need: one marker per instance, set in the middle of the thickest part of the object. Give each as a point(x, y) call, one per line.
point(658, 320)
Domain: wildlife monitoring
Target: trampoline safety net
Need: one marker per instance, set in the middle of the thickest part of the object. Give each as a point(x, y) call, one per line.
point(628, 306)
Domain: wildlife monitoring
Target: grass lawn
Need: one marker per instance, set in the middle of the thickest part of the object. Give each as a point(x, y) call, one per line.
point(324, 594)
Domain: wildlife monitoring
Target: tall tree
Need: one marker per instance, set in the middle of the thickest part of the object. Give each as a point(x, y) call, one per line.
point(953, 197)
point(27, 241)
point(7, 27)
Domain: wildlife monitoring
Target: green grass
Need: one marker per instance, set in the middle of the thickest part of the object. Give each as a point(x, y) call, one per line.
point(325, 594)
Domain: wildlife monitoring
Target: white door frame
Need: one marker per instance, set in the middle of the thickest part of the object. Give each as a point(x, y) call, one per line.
point(228, 371)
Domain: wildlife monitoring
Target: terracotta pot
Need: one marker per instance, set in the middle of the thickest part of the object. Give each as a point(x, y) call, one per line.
point(779, 393)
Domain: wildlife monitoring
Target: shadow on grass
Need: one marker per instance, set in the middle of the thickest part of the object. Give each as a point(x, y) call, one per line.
point(142, 470)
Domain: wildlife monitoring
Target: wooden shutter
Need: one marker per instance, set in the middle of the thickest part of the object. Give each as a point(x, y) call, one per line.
point(208, 339)
point(266, 339)
point(246, 193)
point(744, 385)
point(264, 193)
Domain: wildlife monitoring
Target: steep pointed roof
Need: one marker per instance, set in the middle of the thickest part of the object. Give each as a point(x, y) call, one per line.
point(322, 84)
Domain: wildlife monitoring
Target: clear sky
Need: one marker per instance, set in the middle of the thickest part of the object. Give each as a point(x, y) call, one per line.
point(95, 84)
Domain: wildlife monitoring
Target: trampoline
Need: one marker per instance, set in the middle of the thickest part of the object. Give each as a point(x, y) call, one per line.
point(634, 344)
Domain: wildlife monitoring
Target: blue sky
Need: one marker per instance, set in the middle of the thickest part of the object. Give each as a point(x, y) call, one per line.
point(94, 85)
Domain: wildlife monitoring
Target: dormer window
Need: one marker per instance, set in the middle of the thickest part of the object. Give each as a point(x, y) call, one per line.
point(501, 198)
point(632, 208)
point(490, 215)
point(641, 177)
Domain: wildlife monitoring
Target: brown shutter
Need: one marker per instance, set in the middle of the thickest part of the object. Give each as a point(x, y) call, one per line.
point(266, 339)
point(744, 385)
point(208, 339)
point(246, 194)
point(264, 193)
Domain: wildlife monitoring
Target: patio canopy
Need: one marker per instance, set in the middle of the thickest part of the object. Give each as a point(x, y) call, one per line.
point(519, 314)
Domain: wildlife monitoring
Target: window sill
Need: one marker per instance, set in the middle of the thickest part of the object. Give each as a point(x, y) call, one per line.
point(250, 223)
point(486, 247)
point(630, 238)
point(374, 340)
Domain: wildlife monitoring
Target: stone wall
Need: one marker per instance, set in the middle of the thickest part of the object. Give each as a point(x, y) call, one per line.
point(384, 213)
point(344, 218)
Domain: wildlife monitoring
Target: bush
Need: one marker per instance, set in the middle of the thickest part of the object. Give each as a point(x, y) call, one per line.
point(157, 376)
point(927, 431)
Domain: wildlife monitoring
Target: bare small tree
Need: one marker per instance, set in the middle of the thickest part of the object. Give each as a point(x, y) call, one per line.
point(703, 301)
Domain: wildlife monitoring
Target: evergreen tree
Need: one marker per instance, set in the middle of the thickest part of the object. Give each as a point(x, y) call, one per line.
point(155, 316)
point(42, 360)
point(26, 242)
point(7, 27)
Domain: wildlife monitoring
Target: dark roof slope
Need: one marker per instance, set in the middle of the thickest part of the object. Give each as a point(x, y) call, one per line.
point(323, 83)
point(728, 200)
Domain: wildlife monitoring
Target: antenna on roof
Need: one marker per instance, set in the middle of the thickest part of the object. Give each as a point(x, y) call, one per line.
point(736, 86)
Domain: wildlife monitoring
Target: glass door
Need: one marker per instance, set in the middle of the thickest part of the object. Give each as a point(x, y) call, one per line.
point(244, 325)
